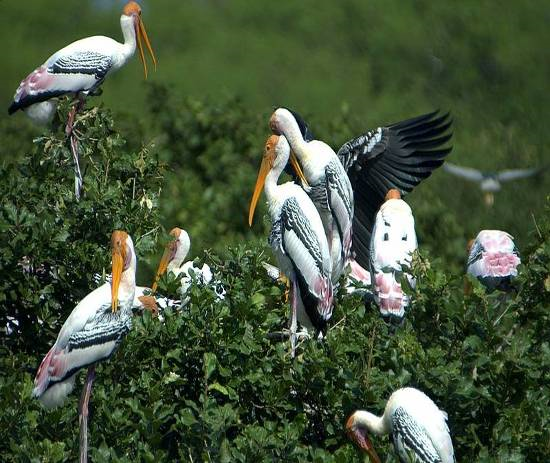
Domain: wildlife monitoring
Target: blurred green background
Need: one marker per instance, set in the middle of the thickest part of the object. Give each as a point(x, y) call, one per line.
point(364, 63)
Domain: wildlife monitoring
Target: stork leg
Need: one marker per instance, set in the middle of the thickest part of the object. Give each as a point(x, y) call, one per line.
point(83, 413)
point(74, 145)
point(293, 316)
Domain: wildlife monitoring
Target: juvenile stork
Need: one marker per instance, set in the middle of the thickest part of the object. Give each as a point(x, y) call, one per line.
point(92, 333)
point(397, 156)
point(79, 69)
point(172, 261)
point(393, 241)
point(418, 427)
point(493, 259)
point(297, 238)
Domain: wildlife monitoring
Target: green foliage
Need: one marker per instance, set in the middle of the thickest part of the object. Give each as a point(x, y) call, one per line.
point(210, 383)
point(53, 244)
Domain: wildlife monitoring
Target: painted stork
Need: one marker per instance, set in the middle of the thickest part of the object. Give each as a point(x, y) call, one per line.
point(92, 333)
point(490, 182)
point(79, 69)
point(326, 182)
point(493, 259)
point(173, 261)
point(297, 238)
point(418, 427)
point(393, 241)
point(398, 156)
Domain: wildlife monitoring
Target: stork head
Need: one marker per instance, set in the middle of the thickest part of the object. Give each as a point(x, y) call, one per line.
point(122, 250)
point(276, 155)
point(358, 433)
point(174, 253)
point(393, 194)
point(133, 10)
point(149, 303)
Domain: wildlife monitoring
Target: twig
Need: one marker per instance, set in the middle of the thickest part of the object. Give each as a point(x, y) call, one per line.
point(369, 358)
point(536, 225)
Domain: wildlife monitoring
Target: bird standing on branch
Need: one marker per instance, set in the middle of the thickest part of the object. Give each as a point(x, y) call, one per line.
point(297, 238)
point(92, 333)
point(79, 69)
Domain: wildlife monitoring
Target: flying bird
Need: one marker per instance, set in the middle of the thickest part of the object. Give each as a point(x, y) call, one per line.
point(298, 240)
point(393, 241)
point(493, 259)
point(418, 428)
point(91, 334)
point(172, 261)
point(490, 182)
point(397, 156)
point(79, 69)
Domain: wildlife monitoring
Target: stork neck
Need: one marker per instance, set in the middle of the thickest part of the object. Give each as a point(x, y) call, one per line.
point(291, 131)
point(375, 424)
point(271, 180)
point(178, 259)
point(127, 286)
point(127, 24)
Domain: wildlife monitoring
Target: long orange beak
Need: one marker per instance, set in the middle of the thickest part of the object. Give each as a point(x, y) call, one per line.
point(361, 439)
point(264, 170)
point(163, 265)
point(298, 169)
point(141, 33)
point(118, 257)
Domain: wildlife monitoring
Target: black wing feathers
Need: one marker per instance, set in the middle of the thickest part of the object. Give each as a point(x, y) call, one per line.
point(399, 156)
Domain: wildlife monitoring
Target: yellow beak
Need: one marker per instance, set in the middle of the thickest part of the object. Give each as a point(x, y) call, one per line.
point(141, 33)
point(264, 170)
point(163, 265)
point(298, 169)
point(118, 265)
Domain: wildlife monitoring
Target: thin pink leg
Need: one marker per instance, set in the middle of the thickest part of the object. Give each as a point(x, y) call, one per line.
point(83, 413)
point(293, 317)
point(74, 146)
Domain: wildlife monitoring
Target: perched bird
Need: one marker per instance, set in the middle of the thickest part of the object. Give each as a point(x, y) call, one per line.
point(92, 333)
point(297, 238)
point(490, 182)
point(393, 241)
point(327, 184)
point(173, 261)
point(398, 156)
point(418, 427)
point(493, 259)
point(144, 299)
point(93, 330)
point(79, 69)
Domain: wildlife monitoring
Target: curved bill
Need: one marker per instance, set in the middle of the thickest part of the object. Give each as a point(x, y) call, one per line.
point(141, 33)
point(359, 436)
point(117, 267)
point(168, 255)
point(298, 169)
point(264, 170)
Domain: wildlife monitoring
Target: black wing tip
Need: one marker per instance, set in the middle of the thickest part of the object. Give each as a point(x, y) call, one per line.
point(15, 106)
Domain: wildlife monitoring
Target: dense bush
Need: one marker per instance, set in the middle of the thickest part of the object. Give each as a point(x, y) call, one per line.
point(210, 384)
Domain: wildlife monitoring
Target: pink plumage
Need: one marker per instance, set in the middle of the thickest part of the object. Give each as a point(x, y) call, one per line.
point(493, 259)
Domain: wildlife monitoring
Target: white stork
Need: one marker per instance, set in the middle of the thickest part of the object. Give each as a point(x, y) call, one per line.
point(493, 259)
point(79, 69)
point(173, 261)
point(393, 241)
point(396, 156)
point(92, 333)
point(418, 427)
point(297, 238)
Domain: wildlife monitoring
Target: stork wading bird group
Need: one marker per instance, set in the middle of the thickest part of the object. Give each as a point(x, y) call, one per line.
point(340, 222)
